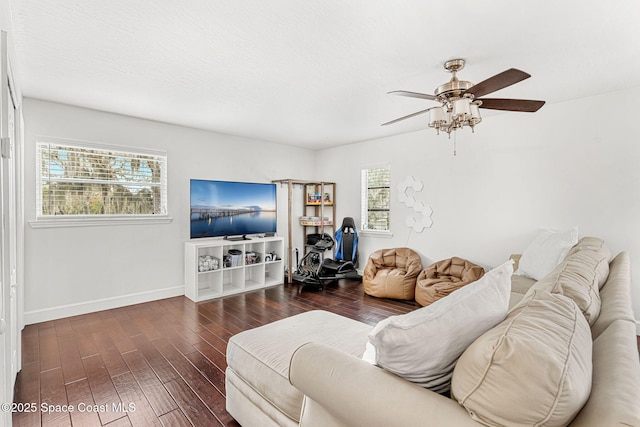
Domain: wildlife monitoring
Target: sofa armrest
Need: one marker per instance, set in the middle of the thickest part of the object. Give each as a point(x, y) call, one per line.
point(359, 394)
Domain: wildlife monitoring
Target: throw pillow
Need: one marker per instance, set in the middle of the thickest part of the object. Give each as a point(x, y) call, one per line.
point(423, 346)
point(535, 368)
point(545, 252)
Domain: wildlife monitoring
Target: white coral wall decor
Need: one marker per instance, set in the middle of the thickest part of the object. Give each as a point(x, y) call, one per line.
point(421, 216)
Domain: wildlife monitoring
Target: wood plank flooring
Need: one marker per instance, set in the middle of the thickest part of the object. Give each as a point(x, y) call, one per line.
point(160, 363)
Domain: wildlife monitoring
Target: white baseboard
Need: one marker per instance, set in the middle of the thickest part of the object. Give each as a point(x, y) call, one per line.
point(44, 315)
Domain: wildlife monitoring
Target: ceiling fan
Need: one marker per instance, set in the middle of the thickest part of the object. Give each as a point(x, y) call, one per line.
point(461, 100)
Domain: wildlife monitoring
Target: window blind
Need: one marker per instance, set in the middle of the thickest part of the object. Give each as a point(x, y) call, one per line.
point(376, 198)
point(84, 180)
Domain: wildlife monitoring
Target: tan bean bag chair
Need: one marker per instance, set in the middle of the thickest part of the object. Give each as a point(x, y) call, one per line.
point(392, 273)
point(443, 277)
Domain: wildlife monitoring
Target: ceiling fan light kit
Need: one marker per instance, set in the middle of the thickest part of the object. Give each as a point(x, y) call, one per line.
point(464, 112)
point(461, 100)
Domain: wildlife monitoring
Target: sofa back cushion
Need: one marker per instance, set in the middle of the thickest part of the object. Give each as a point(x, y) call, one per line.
point(600, 250)
point(591, 243)
point(534, 368)
point(580, 276)
point(423, 346)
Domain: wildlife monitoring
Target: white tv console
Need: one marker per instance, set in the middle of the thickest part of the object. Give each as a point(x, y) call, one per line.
point(251, 269)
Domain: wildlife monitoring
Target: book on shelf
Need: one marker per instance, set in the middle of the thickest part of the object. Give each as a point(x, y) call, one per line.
point(318, 199)
point(315, 220)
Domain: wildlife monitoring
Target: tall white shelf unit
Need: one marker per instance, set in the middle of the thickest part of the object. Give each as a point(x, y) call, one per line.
point(243, 277)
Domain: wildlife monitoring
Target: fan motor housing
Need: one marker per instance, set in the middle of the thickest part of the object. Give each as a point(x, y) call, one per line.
point(453, 89)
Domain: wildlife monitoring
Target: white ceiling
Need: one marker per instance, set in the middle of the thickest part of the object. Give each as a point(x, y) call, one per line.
point(313, 73)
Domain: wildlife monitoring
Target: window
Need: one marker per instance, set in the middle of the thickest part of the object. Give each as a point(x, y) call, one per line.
point(91, 181)
point(376, 198)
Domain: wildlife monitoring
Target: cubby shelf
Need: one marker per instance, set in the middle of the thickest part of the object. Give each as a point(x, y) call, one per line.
point(212, 272)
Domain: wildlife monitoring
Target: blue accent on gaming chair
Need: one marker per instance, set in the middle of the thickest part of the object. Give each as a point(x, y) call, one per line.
point(347, 242)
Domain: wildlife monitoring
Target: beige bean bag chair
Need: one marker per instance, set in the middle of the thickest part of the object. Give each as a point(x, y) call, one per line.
point(392, 273)
point(443, 277)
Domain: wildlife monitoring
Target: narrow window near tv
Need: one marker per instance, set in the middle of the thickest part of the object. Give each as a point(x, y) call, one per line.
point(233, 210)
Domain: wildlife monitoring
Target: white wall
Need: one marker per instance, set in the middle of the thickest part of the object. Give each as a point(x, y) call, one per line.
point(570, 163)
point(79, 269)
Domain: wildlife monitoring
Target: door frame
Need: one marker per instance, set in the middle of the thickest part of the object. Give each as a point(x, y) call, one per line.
point(11, 225)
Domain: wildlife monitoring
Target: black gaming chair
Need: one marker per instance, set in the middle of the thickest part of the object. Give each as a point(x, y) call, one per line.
point(345, 261)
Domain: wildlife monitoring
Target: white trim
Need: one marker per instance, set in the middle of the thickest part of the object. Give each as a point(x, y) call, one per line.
point(376, 234)
point(637, 328)
point(37, 316)
point(95, 220)
point(77, 143)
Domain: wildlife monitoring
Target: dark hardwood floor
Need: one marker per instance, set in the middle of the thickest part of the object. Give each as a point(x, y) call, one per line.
point(162, 362)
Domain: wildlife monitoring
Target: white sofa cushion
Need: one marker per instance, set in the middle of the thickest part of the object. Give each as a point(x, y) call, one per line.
point(423, 346)
point(535, 368)
point(545, 252)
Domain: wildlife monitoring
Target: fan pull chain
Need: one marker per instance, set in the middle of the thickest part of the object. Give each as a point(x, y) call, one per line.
point(454, 143)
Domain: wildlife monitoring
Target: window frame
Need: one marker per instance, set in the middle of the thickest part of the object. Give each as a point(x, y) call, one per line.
point(72, 220)
point(364, 208)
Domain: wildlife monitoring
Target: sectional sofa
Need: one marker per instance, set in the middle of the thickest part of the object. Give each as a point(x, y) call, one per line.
point(565, 354)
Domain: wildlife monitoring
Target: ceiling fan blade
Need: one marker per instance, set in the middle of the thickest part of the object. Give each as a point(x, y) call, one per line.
point(526, 105)
point(497, 82)
point(412, 94)
point(407, 117)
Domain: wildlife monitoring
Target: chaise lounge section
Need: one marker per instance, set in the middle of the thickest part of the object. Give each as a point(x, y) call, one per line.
point(257, 375)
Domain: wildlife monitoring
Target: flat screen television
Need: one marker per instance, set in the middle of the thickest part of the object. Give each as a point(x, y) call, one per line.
point(232, 209)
